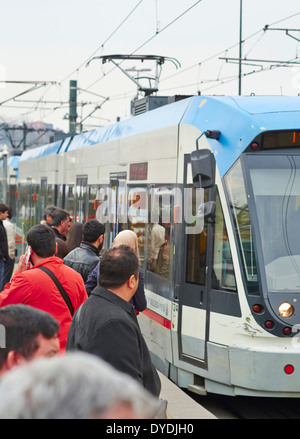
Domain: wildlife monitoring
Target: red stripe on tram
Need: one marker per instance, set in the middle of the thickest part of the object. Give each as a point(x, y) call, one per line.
point(157, 318)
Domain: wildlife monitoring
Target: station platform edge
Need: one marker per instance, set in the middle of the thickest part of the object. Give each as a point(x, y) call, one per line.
point(180, 405)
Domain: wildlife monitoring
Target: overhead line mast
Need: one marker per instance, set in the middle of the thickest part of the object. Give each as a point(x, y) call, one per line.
point(240, 48)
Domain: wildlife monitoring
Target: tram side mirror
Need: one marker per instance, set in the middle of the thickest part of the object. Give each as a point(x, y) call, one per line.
point(203, 168)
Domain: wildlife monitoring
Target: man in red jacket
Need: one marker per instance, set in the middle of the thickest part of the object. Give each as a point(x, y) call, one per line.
point(32, 286)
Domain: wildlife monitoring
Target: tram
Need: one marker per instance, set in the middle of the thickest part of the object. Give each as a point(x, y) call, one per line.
point(211, 186)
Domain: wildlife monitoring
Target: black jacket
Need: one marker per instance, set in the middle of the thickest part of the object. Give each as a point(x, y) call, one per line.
point(83, 259)
point(107, 326)
point(3, 243)
point(58, 235)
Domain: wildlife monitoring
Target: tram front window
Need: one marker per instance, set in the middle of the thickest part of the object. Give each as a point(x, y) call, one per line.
point(275, 183)
point(239, 205)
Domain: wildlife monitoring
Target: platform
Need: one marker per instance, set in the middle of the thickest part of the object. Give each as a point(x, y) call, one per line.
point(180, 405)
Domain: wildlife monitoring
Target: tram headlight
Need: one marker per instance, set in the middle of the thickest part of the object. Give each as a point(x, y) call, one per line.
point(286, 310)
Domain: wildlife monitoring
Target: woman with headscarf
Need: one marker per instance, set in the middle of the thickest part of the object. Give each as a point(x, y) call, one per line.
point(129, 238)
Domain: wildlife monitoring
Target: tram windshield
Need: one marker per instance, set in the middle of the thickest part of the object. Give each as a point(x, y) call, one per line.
point(275, 181)
point(275, 219)
point(276, 188)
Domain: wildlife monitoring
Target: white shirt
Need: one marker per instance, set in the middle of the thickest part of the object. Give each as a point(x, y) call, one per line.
point(10, 232)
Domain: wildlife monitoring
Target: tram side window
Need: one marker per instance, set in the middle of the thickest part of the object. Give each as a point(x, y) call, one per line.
point(116, 205)
point(138, 217)
point(50, 194)
point(43, 193)
point(60, 196)
point(196, 242)
point(160, 230)
point(25, 205)
point(223, 277)
point(81, 198)
point(70, 200)
point(92, 205)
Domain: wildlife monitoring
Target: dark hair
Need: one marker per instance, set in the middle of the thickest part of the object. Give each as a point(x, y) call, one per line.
point(92, 230)
point(74, 236)
point(42, 240)
point(49, 210)
point(22, 324)
point(117, 265)
point(62, 248)
point(59, 215)
point(3, 207)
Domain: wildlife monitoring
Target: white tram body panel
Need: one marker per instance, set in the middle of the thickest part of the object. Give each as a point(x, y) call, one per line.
point(212, 320)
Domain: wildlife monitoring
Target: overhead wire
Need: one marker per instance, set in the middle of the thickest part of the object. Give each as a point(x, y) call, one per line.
point(142, 45)
point(228, 49)
point(104, 42)
point(98, 48)
point(225, 80)
point(220, 81)
point(158, 32)
point(84, 63)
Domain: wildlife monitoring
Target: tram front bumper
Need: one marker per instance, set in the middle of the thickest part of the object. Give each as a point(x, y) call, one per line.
point(262, 371)
point(259, 370)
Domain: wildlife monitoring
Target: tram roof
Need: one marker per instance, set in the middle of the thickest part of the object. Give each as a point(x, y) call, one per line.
point(41, 151)
point(239, 119)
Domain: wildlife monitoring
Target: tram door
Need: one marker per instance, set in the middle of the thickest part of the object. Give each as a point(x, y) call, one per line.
point(195, 284)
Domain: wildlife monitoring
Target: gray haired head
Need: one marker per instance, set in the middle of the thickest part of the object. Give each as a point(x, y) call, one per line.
point(74, 386)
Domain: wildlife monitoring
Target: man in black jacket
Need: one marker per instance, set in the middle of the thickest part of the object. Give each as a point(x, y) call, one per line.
point(3, 242)
point(106, 324)
point(84, 258)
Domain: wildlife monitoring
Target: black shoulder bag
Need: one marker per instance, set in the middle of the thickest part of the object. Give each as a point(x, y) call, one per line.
point(60, 288)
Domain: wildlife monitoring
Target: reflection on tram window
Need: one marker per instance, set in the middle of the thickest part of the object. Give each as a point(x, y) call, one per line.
point(163, 259)
point(223, 277)
point(60, 196)
point(196, 258)
point(159, 248)
point(116, 217)
point(25, 205)
point(276, 187)
point(138, 217)
point(91, 204)
point(50, 194)
point(240, 210)
point(196, 246)
point(70, 200)
point(43, 193)
point(81, 198)
point(159, 231)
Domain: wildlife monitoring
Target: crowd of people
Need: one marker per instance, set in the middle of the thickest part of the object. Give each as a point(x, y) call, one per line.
point(79, 313)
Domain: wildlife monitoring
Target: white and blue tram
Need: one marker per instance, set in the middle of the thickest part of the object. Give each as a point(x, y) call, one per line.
point(211, 186)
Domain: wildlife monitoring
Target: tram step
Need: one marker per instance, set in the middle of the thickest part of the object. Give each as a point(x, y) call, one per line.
point(200, 390)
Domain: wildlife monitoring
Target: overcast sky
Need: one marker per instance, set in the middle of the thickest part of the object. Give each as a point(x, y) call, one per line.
point(53, 40)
